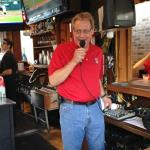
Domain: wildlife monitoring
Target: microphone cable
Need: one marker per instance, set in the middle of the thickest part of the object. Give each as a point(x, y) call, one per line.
point(98, 100)
point(82, 44)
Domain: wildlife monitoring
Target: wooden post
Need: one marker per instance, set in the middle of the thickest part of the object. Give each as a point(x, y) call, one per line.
point(123, 55)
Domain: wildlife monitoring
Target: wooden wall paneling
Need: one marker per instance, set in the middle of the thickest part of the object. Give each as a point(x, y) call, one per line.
point(117, 40)
point(17, 44)
point(15, 37)
point(123, 56)
point(58, 30)
point(65, 34)
point(129, 55)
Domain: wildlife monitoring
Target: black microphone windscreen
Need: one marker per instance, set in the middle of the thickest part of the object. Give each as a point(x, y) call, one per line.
point(82, 43)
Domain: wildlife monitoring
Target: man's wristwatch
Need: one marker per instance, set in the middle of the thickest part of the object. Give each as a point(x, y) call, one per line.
point(103, 95)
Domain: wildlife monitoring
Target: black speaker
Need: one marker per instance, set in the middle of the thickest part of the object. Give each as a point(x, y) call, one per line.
point(118, 13)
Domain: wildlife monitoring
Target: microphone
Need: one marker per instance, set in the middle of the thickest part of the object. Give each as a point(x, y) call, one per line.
point(82, 43)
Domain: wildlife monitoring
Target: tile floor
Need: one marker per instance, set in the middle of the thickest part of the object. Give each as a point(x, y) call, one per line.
point(54, 138)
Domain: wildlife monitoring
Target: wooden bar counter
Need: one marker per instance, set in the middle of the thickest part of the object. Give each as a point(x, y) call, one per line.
point(139, 88)
point(136, 87)
point(129, 127)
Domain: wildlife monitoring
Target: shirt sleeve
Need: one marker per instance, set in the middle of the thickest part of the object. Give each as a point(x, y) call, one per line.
point(56, 61)
point(147, 66)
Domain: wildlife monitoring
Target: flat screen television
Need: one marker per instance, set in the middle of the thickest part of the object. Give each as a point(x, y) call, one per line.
point(37, 10)
point(11, 15)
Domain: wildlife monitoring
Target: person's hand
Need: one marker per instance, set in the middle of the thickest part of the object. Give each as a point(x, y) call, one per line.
point(107, 102)
point(79, 55)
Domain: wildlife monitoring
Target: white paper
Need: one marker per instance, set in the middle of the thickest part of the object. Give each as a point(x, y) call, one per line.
point(136, 121)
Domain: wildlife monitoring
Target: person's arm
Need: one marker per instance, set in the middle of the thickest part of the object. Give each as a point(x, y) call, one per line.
point(107, 101)
point(61, 74)
point(141, 62)
point(6, 72)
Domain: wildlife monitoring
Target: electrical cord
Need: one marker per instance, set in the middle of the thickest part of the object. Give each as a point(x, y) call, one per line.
point(85, 83)
point(35, 75)
point(31, 79)
point(97, 99)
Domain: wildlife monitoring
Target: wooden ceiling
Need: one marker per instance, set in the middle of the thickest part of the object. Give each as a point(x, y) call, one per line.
point(139, 1)
point(135, 1)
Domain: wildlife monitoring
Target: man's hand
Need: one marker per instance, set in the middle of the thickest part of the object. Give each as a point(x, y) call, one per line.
point(79, 55)
point(107, 102)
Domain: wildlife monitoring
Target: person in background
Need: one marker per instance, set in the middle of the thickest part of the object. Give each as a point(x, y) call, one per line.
point(76, 69)
point(143, 63)
point(8, 69)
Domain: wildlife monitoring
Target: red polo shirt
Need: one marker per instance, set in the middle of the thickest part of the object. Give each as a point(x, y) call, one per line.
point(83, 83)
point(147, 67)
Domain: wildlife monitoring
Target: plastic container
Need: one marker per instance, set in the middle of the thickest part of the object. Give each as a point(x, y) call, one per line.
point(2, 89)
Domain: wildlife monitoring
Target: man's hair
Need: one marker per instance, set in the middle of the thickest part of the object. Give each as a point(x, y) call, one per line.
point(9, 42)
point(83, 16)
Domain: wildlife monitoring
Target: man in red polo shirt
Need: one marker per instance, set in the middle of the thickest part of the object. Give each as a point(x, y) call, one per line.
point(144, 63)
point(76, 69)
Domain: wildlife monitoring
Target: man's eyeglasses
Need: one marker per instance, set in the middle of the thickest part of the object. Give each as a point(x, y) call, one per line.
point(85, 32)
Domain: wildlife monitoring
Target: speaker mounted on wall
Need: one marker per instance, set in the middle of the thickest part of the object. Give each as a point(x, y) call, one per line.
point(118, 13)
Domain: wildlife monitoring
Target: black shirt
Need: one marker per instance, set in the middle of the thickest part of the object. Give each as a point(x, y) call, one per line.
point(9, 62)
